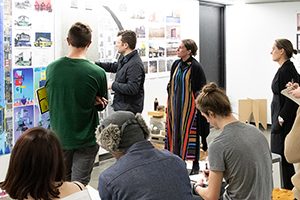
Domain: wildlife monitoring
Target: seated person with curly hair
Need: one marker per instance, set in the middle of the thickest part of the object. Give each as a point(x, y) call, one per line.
point(36, 169)
point(141, 171)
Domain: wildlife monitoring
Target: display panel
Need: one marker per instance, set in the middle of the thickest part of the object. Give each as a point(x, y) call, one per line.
point(26, 48)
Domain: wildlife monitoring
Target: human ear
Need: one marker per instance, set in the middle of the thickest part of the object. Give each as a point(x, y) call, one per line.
point(211, 114)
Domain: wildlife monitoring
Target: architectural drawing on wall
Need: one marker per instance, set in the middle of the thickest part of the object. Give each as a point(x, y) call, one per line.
point(145, 63)
point(169, 64)
point(43, 5)
point(23, 119)
point(42, 120)
point(22, 21)
point(140, 32)
point(3, 145)
point(153, 66)
point(173, 32)
point(161, 65)
point(23, 58)
point(23, 87)
point(156, 49)
point(173, 16)
point(172, 48)
point(6, 108)
point(141, 48)
point(22, 39)
point(158, 33)
point(22, 4)
point(156, 16)
point(43, 39)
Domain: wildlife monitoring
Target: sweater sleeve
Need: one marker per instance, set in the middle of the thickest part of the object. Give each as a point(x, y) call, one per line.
point(102, 89)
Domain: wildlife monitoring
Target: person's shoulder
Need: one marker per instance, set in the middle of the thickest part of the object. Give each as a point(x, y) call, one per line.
point(286, 67)
point(168, 155)
point(97, 69)
point(69, 188)
point(57, 61)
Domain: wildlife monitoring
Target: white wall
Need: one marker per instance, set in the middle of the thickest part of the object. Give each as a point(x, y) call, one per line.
point(155, 87)
point(250, 33)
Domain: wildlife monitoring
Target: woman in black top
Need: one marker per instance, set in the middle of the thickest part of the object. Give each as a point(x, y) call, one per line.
point(283, 110)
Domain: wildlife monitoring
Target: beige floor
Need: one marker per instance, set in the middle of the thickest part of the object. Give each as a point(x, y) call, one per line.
point(105, 164)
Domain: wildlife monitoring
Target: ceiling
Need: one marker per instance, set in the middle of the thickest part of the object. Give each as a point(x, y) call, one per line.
point(228, 2)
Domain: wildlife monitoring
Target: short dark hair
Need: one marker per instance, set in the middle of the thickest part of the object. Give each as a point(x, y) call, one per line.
point(212, 98)
point(80, 35)
point(287, 46)
point(190, 45)
point(36, 163)
point(128, 37)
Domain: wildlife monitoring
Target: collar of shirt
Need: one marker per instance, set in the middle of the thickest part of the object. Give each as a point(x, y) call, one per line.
point(126, 58)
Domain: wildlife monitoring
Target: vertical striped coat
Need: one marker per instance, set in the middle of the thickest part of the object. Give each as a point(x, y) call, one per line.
point(183, 120)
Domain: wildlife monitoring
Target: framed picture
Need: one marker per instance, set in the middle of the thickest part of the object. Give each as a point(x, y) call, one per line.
point(298, 41)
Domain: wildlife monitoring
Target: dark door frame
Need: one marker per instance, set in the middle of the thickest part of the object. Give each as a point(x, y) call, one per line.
point(222, 61)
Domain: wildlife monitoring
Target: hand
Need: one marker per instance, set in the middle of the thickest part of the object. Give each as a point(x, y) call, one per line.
point(292, 85)
point(295, 92)
point(280, 120)
point(101, 101)
point(198, 183)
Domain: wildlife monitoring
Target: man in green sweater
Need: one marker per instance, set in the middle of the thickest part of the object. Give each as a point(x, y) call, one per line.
point(76, 90)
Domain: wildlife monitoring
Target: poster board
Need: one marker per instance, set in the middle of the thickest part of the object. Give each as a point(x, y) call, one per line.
point(42, 99)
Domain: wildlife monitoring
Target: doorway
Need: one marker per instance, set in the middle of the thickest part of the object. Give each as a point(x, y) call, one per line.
point(212, 42)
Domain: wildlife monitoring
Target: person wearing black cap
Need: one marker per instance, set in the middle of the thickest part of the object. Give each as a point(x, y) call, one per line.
point(141, 171)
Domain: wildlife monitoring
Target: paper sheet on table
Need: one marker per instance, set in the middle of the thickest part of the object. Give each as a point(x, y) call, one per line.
point(285, 93)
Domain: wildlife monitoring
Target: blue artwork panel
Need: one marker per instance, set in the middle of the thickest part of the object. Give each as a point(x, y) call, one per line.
point(23, 87)
point(23, 120)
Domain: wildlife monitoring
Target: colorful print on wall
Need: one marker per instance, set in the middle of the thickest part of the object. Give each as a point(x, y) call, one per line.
point(42, 39)
point(39, 77)
point(23, 87)
point(42, 120)
point(4, 147)
point(43, 5)
point(22, 39)
point(23, 119)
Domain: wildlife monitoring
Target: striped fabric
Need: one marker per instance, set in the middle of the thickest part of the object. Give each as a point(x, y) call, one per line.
point(181, 129)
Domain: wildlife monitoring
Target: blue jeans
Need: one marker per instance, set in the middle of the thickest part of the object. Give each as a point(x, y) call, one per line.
point(79, 163)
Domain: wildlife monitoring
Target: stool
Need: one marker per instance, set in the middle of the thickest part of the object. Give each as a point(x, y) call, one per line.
point(277, 158)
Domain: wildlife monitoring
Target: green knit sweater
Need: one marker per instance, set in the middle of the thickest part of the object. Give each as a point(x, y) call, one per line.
point(72, 86)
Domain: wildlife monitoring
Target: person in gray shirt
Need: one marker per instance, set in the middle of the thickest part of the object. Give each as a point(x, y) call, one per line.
point(240, 154)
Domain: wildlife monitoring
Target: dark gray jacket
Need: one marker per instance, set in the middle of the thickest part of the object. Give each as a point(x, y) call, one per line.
point(145, 173)
point(129, 82)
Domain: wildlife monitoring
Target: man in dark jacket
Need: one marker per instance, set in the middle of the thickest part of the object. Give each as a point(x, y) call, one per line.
point(130, 76)
point(140, 171)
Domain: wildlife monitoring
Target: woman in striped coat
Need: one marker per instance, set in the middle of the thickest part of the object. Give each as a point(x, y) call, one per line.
point(184, 122)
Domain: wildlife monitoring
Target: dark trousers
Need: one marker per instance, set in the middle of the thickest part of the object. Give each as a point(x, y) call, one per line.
point(277, 146)
point(79, 163)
